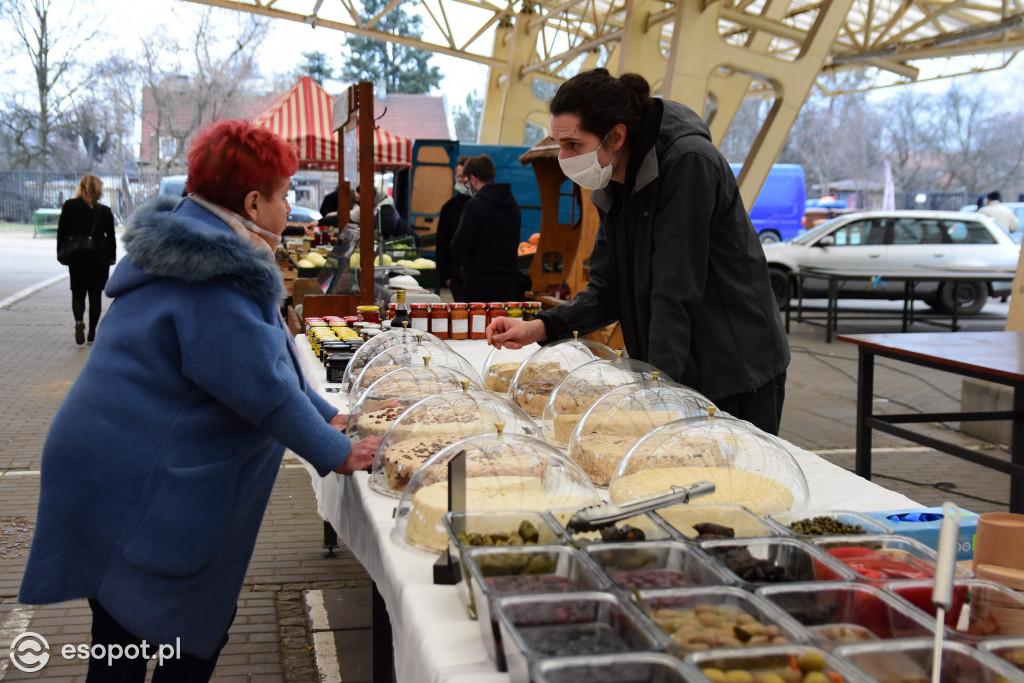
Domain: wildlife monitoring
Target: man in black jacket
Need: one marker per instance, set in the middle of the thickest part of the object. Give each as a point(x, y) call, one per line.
point(449, 270)
point(487, 238)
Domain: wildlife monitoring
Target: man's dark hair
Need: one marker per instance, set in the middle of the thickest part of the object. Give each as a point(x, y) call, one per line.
point(481, 166)
point(461, 161)
point(603, 101)
point(995, 196)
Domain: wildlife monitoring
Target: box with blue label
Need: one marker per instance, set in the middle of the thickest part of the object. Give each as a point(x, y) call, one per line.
point(923, 524)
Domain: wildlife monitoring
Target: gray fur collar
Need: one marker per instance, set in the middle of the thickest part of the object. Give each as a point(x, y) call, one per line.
point(186, 244)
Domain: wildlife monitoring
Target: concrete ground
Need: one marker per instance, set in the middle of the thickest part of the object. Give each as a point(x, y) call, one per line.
point(304, 617)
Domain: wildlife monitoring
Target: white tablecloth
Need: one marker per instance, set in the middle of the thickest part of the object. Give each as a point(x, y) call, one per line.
point(434, 639)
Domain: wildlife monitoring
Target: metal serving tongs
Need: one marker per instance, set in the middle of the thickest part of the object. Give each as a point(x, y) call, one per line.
point(595, 517)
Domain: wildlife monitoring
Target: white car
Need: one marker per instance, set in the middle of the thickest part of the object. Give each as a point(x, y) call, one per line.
point(898, 241)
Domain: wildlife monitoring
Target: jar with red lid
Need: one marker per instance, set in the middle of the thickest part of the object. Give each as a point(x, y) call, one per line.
point(514, 309)
point(420, 317)
point(478, 320)
point(459, 321)
point(439, 320)
point(391, 310)
point(496, 309)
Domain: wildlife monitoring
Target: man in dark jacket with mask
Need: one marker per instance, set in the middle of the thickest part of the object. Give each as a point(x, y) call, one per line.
point(487, 238)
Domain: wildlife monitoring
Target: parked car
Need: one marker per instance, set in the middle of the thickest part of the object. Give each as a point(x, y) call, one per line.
point(895, 241)
point(174, 185)
point(1017, 208)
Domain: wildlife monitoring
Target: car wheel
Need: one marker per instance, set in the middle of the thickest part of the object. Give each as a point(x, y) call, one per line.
point(934, 301)
point(780, 286)
point(769, 237)
point(971, 296)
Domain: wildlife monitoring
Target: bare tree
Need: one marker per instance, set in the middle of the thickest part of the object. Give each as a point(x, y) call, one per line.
point(50, 33)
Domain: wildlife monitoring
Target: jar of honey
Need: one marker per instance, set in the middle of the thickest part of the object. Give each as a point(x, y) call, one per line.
point(478, 320)
point(459, 321)
point(439, 320)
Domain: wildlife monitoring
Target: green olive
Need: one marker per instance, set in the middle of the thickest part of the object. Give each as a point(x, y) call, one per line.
point(811, 660)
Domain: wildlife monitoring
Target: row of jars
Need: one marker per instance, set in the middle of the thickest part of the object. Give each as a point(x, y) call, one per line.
point(464, 321)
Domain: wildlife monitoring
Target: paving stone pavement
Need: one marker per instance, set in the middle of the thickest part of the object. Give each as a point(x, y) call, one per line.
point(272, 637)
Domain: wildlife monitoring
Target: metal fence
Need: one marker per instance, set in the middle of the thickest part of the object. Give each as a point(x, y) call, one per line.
point(22, 192)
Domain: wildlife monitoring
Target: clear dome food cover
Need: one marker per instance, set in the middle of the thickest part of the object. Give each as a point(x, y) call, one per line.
point(503, 472)
point(536, 378)
point(379, 343)
point(390, 396)
point(501, 366)
point(439, 421)
point(600, 439)
point(747, 466)
point(420, 354)
point(581, 389)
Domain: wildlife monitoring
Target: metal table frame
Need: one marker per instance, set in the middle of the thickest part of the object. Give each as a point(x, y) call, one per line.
point(991, 356)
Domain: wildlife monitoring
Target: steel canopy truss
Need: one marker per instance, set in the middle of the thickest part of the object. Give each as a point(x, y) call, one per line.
point(709, 54)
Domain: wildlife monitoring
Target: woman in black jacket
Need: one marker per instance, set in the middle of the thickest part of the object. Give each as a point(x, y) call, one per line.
point(84, 215)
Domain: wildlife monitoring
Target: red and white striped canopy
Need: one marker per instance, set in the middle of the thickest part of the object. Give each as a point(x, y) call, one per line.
point(302, 116)
point(391, 151)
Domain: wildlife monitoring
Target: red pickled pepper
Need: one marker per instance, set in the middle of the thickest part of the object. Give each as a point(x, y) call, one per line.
point(875, 565)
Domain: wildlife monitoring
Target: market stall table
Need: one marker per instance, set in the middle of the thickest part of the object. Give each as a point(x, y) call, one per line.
point(433, 638)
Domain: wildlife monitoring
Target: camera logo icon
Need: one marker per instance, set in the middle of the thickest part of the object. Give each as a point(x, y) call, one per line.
point(30, 652)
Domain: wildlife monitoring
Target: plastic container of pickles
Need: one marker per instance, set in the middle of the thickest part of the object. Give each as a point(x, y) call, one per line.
point(538, 570)
point(698, 522)
point(699, 619)
point(879, 558)
point(837, 613)
point(533, 628)
point(791, 663)
point(910, 661)
point(981, 609)
point(656, 564)
point(1009, 649)
point(827, 523)
point(756, 562)
point(624, 667)
point(645, 527)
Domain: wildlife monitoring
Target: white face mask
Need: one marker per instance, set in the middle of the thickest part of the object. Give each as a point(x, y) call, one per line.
point(586, 171)
point(462, 188)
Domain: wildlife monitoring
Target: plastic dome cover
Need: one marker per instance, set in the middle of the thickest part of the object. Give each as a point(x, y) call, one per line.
point(439, 421)
point(503, 472)
point(619, 419)
point(537, 377)
point(581, 389)
point(502, 364)
point(381, 342)
point(424, 354)
point(747, 466)
point(390, 396)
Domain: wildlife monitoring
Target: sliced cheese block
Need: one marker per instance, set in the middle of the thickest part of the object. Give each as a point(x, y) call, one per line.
point(758, 493)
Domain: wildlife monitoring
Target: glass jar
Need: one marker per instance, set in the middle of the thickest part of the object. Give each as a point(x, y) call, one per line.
point(368, 314)
point(495, 309)
point(459, 321)
point(420, 317)
point(439, 320)
point(531, 309)
point(391, 310)
point(514, 309)
point(478, 320)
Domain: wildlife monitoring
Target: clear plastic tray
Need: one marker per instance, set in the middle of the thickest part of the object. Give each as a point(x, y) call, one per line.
point(392, 395)
point(583, 387)
point(537, 570)
point(880, 558)
point(436, 422)
point(625, 667)
point(656, 564)
point(756, 562)
point(719, 617)
point(848, 612)
point(537, 377)
point(608, 429)
point(503, 472)
point(744, 523)
point(849, 520)
point(1010, 650)
point(911, 660)
point(426, 354)
point(534, 628)
point(776, 659)
point(366, 351)
point(501, 366)
point(747, 466)
point(648, 526)
point(981, 609)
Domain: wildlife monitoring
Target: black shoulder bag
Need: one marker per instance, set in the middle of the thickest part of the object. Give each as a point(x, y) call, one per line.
point(74, 249)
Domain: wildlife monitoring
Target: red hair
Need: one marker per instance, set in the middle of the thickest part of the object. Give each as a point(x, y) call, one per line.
point(229, 159)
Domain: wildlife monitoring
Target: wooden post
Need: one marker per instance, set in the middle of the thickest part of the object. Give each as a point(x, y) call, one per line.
point(364, 104)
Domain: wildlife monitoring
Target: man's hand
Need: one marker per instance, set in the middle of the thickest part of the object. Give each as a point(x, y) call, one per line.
point(515, 334)
point(361, 456)
point(339, 422)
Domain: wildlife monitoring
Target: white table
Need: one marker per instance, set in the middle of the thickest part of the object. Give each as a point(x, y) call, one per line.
point(433, 638)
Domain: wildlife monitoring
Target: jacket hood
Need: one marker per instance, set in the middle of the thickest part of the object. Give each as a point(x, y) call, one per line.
point(177, 239)
point(498, 194)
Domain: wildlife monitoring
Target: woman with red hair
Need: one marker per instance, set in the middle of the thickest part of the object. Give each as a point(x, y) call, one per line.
point(159, 465)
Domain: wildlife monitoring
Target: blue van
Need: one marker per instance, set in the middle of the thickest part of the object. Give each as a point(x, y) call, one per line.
point(778, 211)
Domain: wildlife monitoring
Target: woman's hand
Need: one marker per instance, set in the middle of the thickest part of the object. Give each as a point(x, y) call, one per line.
point(361, 456)
point(339, 422)
point(515, 334)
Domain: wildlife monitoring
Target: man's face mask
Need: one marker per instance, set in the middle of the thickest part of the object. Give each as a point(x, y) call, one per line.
point(586, 170)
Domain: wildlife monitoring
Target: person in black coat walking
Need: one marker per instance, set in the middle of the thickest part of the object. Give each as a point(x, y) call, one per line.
point(84, 215)
point(487, 239)
point(449, 270)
